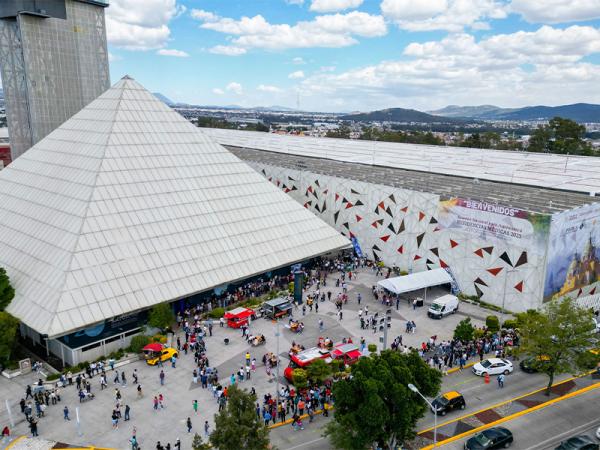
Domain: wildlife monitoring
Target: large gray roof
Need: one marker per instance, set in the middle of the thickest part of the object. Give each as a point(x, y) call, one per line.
point(568, 173)
point(127, 205)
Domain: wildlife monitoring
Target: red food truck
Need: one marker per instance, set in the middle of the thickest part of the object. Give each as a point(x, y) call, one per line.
point(239, 316)
point(304, 358)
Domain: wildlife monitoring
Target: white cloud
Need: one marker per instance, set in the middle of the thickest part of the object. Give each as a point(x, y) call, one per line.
point(172, 52)
point(334, 30)
point(112, 57)
point(267, 88)
point(218, 91)
point(234, 87)
point(334, 5)
point(327, 68)
point(298, 60)
point(296, 75)
point(449, 15)
point(227, 50)
point(556, 11)
point(205, 16)
point(140, 24)
point(294, 2)
point(544, 66)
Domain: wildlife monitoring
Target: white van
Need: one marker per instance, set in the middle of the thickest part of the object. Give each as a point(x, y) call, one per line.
point(448, 304)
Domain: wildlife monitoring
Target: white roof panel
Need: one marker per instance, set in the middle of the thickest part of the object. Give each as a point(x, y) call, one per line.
point(120, 206)
point(571, 173)
point(416, 281)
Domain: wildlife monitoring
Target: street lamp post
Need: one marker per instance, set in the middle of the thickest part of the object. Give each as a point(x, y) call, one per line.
point(277, 333)
point(413, 388)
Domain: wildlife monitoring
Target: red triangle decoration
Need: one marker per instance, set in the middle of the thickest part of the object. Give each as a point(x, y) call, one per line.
point(579, 293)
point(495, 271)
point(358, 218)
point(310, 189)
point(488, 250)
point(375, 224)
point(385, 238)
point(592, 292)
point(405, 209)
point(337, 196)
point(421, 216)
point(443, 264)
point(416, 257)
point(453, 243)
point(519, 286)
point(325, 191)
point(381, 205)
point(287, 190)
point(349, 205)
point(479, 252)
point(351, 235)
point(401, 249)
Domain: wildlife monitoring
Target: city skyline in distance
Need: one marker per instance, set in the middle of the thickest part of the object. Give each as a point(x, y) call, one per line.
point(359, 55)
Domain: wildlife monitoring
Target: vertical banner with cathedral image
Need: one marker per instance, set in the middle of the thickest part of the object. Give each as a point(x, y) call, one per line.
point(573, 253)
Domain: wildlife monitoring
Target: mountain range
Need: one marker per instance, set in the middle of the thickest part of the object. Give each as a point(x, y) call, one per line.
point(579, 112)
point(400, 115)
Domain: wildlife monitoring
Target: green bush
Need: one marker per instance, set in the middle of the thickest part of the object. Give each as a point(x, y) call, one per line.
point(464, 330)
point(372, 348)
point(510, 323)
point(492, 323)
point(138, 343)
point(478, 333)
point(336, 365)
point(300, 378)
point(217, 313)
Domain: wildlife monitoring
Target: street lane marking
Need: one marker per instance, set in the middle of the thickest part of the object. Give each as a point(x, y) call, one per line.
point(566, 433)
point(305, 443)
point(514, 416)
point(20, 438)
point(505, 402)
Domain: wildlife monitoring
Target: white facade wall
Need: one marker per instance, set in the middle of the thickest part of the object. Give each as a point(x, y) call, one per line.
point(400, 227)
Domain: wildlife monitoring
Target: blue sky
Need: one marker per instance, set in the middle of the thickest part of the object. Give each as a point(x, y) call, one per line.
point(345, 55)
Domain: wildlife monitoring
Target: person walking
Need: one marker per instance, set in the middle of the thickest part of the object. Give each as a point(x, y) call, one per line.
point(134, 443)
point(320, 325)
point(127, 412)
point(33, 427)
point(66, 413)
point(189, 425)
point(195, 407)
point(206, 429)
point(501, 381)
point(161, 375)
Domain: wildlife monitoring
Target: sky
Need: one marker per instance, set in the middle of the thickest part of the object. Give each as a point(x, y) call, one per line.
point(359, 55)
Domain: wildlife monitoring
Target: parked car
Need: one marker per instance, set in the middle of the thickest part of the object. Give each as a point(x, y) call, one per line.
point(448, 402)
point(443, 306)
point(581, 442)
point(598, 433)
point(533, 364)
point(493, 366)
point(165, 355)
point(496, 437)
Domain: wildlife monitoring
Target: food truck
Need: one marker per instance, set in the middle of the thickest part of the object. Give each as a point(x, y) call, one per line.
point(276, 308)
point(238, 317)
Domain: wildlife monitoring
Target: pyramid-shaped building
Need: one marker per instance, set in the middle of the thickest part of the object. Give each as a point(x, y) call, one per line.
point(127, 205)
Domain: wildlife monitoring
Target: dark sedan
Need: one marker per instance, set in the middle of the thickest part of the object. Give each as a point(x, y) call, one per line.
point(496, 437)
point(581, 442)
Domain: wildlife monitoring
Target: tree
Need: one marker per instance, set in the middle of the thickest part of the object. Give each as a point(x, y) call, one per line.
point(318, 371)
point(8, 333)
point(464, 330)
point(300, 378)
point(375, 405)
point(199, 444)
point(492, 323)
point(560, 136)
point(161, 316)
point(7, 292)
point(237, 426)
point(557, 336)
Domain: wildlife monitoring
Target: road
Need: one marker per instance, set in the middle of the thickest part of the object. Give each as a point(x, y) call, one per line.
point(570, 417)
point(478, 395)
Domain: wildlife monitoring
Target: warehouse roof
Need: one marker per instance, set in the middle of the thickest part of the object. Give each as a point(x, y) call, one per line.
point(572, 173)
point(127, 205)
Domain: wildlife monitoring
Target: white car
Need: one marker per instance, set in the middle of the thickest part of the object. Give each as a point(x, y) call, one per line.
point(493, 366)
point(598, 433)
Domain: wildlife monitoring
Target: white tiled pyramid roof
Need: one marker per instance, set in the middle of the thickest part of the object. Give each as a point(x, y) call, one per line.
point(127, 205)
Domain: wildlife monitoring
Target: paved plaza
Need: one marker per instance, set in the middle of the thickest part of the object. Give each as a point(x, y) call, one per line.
point(179, 391)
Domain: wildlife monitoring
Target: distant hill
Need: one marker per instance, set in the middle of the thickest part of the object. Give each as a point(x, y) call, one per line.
point(579, 112)
point(398, 115)
point(163, 99)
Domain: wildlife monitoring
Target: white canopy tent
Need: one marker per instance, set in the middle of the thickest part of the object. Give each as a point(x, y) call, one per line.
point(416, 281)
